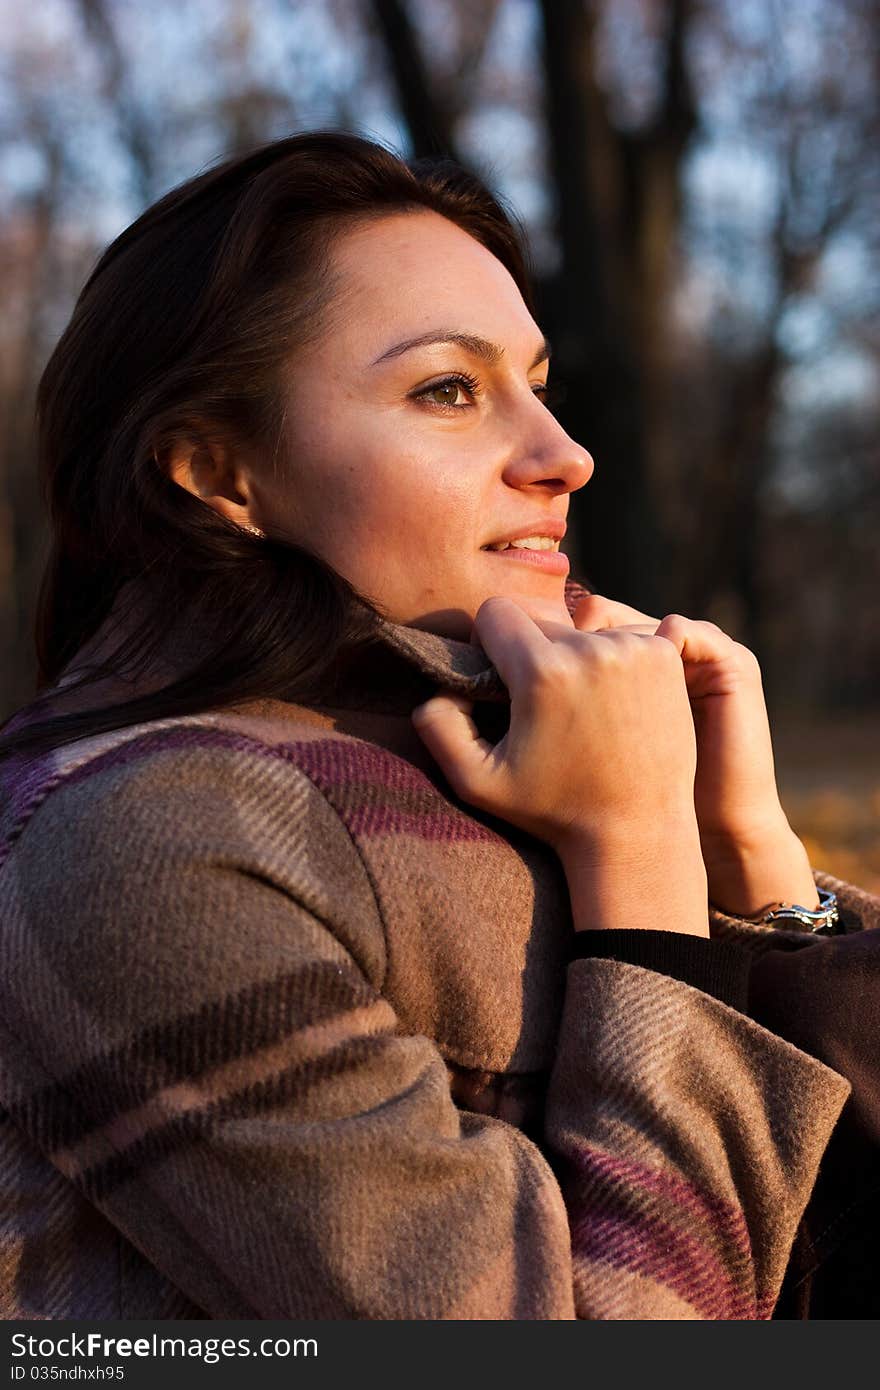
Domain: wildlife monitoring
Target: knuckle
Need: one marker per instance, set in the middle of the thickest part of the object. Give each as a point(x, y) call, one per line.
point(712, 630)
point(746, 656)
point(554, 671)
point(674, 622)
point(591, 609)
point(664, 650)
point(616, 654)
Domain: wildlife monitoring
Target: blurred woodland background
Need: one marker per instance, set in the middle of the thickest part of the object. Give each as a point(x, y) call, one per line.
point(700, 185)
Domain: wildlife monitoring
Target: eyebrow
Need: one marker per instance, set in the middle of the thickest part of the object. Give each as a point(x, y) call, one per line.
point(477, 347)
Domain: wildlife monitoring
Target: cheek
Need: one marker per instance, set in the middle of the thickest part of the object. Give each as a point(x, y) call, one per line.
point(328, 486)
point(371, 491)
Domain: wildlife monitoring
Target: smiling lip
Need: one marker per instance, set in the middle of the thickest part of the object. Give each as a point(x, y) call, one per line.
point(551, 526)
point(551, 561)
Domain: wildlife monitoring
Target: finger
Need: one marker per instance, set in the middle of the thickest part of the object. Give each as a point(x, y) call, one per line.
point(595, 612)
point(513, 641)
point(561, 632)
point(698, 640)
point(445, 726)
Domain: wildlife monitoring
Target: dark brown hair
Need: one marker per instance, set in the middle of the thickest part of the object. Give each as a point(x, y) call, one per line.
point(183, 330)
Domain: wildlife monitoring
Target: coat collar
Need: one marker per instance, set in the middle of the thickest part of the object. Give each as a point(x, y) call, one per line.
point(399, 668)
point(405, 665)
point(373, 697)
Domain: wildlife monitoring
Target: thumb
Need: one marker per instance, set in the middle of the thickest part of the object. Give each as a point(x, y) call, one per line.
point(595, 612)
point(445, 726)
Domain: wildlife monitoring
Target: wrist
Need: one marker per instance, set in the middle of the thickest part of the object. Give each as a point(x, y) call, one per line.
point(642, 879)
point(746, 876)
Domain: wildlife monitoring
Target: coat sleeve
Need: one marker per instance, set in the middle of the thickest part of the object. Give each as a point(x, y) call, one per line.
point(195, 983)
point(823, 994)
point(825, 998)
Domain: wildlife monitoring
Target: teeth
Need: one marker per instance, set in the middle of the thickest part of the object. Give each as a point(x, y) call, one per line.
point(533, 543)
point(527, 543)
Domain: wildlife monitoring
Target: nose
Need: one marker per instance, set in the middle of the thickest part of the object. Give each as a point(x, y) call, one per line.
point(544, 455)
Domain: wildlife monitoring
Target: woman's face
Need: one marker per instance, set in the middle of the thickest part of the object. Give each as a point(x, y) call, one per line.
point(398, 477)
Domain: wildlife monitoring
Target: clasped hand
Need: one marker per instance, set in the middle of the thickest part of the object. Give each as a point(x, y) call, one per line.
point(661, 739)
point(735, 794)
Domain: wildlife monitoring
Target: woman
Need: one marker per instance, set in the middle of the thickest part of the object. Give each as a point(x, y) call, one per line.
point(356, 865)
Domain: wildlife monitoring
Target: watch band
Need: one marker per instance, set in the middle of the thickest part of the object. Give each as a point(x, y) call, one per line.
point(822, 919)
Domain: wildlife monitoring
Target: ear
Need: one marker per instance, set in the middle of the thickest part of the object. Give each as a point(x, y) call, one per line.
point(212, 473)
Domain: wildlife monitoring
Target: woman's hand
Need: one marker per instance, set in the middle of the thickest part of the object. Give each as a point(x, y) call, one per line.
point(606, 779)
point(749, 848)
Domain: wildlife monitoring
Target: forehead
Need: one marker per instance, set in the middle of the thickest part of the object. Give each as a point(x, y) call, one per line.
point(409, 272)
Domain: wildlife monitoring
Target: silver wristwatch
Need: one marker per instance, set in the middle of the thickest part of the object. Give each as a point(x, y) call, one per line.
point(821, 919)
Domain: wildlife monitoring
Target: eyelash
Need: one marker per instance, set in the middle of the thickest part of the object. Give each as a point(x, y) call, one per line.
point(551, 394)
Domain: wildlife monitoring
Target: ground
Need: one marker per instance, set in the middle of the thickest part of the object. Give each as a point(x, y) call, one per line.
point(828, 774)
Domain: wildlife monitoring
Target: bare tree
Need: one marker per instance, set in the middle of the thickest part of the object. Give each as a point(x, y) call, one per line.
point(618, 199)
point(134, 128)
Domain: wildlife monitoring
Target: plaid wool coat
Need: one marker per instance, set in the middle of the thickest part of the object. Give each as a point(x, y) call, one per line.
point(289, 1031)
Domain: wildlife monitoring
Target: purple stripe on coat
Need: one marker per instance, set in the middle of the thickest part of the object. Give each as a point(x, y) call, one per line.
point(613, 1231)
point(348, 774)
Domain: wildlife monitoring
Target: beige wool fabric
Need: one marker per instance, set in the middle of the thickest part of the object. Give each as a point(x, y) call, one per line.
point(289, 1031)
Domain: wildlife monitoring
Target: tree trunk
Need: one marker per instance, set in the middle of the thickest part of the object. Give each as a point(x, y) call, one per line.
point(616, 537)
point(425, 114)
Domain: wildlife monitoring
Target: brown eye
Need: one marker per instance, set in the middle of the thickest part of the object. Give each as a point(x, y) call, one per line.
point(459, 381)
point(451, 388)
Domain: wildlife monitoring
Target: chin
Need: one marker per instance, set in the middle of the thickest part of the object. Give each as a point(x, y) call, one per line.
point(457, 622)
point(551, 610)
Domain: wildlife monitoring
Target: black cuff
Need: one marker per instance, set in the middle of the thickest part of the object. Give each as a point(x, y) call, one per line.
point(716, 967)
